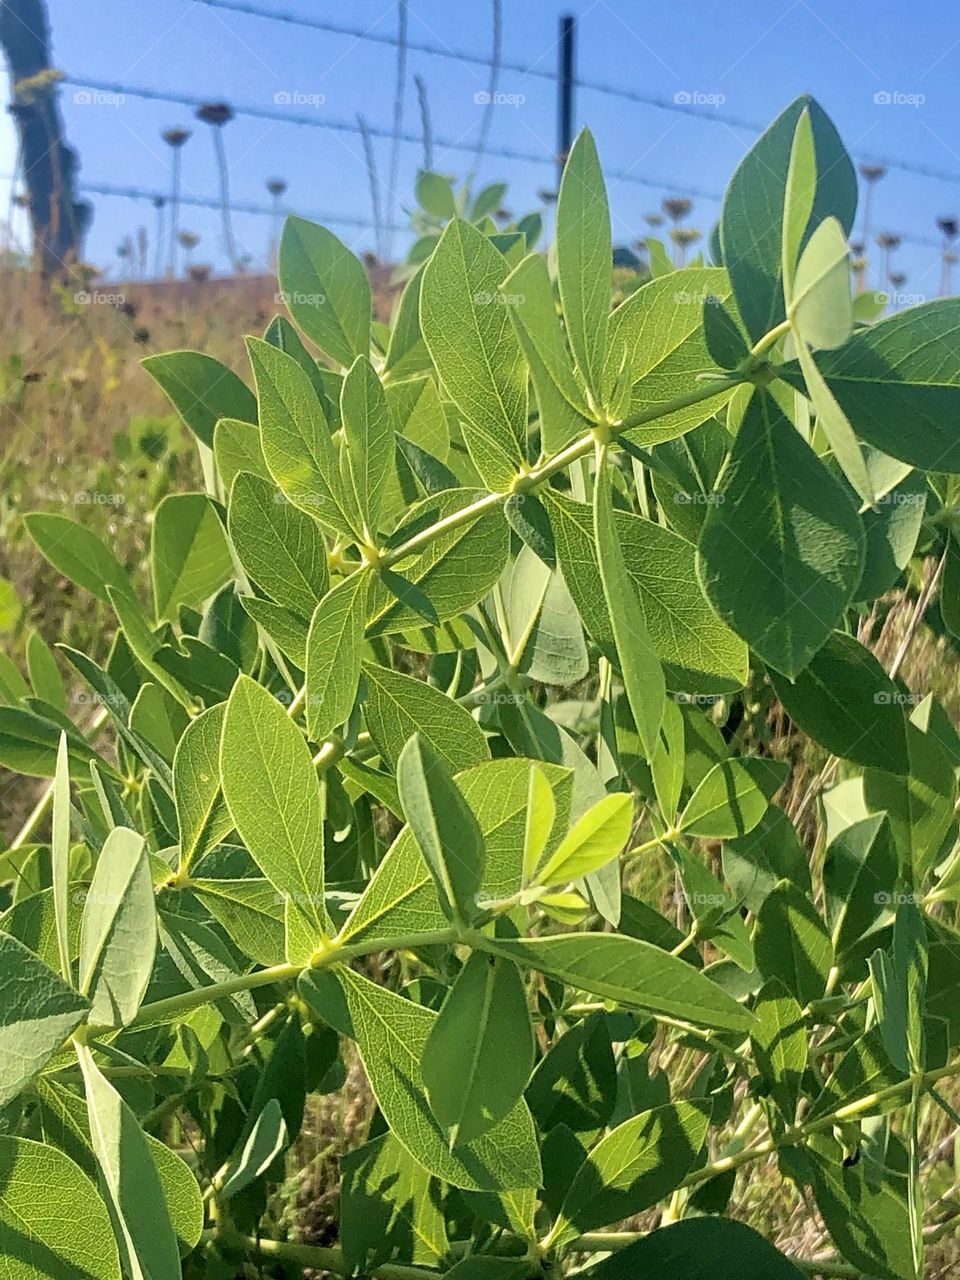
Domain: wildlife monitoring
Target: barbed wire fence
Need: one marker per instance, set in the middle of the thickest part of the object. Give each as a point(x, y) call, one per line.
point(564, 80)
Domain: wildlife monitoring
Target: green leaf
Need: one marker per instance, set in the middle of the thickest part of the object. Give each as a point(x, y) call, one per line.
point(236, 447)
point(129, 1179)
point(639, 664)
point(752, 221)
point(389, 1208)
point(840, 435)
point(799, 195)
point(575, 1083)
point(563, 411)
point(471, 1082)
point(453, 572)
point(280, 547)
point(727, 803)
point(444, 826)
point(118, 937)
point(859, 875)
point(467, 328)
point(407, 352)
point(540, 817)
point(629, 971)
point(795, 532)
point(271, 788)
point(38, 1011)
point(333, 653)
point(325, 289)
point(53, 1224)
point(251, 912)
point(266, 1140)
point(287, 629)
point(202, 390)
point(77, 553)
point(920, 806)
point(584, 257)
point(792, 944)
point(820, 308)
point(392, 1034)
point(188, 553)
point(60, 857)
point(844, 700)
point(633, 1167)
point(543, 634)
point(296, 441)
point(660, 327)
point(369, 440)
point(202, 815)
point(44, 673)
point(780, 1045)
point(397, 706)
point(708, 1248)
point(699, 652)
point(898, 382)
point(596, 838)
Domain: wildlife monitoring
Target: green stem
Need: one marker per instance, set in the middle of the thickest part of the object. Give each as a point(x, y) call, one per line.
point(322, 1259)
point(329, 954)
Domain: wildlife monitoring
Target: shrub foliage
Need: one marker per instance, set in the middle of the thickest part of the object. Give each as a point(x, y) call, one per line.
point(444, 666)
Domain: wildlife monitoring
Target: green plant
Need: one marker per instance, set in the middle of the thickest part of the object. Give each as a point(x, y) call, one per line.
point(434, 672)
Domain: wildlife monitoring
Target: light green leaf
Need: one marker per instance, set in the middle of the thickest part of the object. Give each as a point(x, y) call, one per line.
point(188, 553)
point(392, 1034)
point(840, 435)
point(584, 260)
point(60, 857)
point(699, 652)
point(236, 447)
point(471, 1082)
point(280, 547)
point(540, 816)
point(202, 390)
point(333, 653)
point(562, 406)
point(821, 309)
point(271, 788)
point(397, 706)
point(444, 826)
point(800, 193)
point(203, 817)
point(295, 437)
point(660, 327)
point(595, 839)
point(639, 664)
point(326, 290)
point(369, 441)
point(118, 935)
point(725, 804)
point(633, 1167)
point(129, 1178)
point(53, 1224)
point(629, 971)
point(454, 571)
point(794, 531)
point(251, 912)
point(467, 329)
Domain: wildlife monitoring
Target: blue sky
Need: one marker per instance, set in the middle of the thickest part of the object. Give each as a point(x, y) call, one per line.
point(742, 59)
